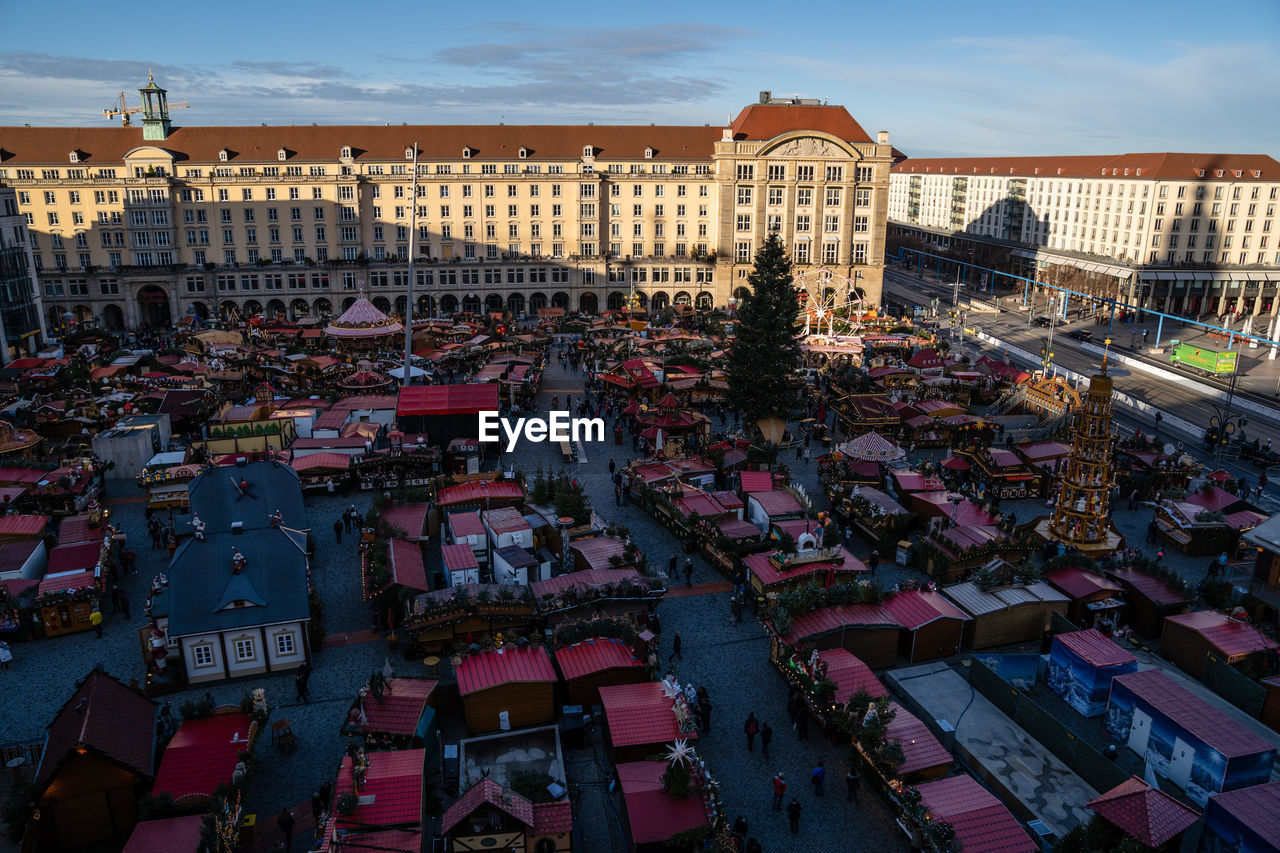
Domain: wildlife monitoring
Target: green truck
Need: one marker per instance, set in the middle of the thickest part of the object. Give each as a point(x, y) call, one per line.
point(1202, 358)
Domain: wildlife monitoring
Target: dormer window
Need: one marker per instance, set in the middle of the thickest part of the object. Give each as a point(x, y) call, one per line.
point(466, 152)
point(223, 155)
point(588, 151)
point(648, 153)
point(345, 153)
point(524, 152)
point(1219, 173)
point(1239, 172)
point(75, 156)
point(1257, 173)
point(282, 154)
point(1200, 173)
point(408, 153)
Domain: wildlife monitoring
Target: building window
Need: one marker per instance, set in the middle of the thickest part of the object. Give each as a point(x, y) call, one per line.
point(202, 655)
point(244, 650)
point(284, 644)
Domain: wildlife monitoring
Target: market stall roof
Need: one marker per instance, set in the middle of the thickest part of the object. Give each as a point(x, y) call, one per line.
point(202, 755)
point(1143, 812)
point(465, 523)
point(1214, 500)
point(486, 669)
point(980, 820)
point(955, 463)
point(1093, 648)
point(323, 461)
point(166, 835)
point(756, 481)
point(458, 557)
point(1079, 583)
point(975, 601)
point(407, 517)
point(654, 815)
point(75, 528)
point(872, 447)
point(736, 528)
point(826, 620)
point(474, 492)
point(1044, 451)
point(505, 519)
point(586, 579)
point(639, 714)
point(777, 502)
point(920, 749)
point(24, 525)
point(487, 792)
point(964, 513)
point(916, 608)
point(1231, 636)
point(401, 707)
point(114, 719)
point(761, 565)
point(850, 674)
point(963, 536)
point(914, 481)
point(1191, 713)
point(1153, 588)
point(66, 582)
point(597, 551)
point(1256, 807)
point(431, 400)
point(594, 656)
point(391, 793)
point(407, 567)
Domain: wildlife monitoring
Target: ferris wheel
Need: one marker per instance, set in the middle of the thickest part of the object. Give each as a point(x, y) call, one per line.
point(830, 303)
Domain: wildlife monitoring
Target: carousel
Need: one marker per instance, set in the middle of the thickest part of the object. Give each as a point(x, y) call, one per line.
point(365, 380)
point(363, 328)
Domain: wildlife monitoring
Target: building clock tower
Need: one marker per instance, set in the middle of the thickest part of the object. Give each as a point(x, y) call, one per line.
point(155, 111)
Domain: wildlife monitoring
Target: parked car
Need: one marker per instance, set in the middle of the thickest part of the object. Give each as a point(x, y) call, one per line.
point(1081, 334)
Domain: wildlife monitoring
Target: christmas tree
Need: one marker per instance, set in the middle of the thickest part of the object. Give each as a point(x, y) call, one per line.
point(766, 351)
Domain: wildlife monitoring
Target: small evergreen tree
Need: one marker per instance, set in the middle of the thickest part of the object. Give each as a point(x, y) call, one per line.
point(766, 350)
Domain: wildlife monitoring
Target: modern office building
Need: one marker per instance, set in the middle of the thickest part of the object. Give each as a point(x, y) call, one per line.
point(21, 315)
point(1193, 234)
point(138, 226)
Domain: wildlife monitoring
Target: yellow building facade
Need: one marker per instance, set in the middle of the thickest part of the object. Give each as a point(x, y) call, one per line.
point(135, 226)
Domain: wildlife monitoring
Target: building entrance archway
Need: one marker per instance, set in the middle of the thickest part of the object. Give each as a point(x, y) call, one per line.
point(153, 307)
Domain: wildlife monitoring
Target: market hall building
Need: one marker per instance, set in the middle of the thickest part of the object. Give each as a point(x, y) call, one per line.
point(140, 226)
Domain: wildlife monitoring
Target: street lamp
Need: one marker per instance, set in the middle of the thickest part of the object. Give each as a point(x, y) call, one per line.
point(1223, 425)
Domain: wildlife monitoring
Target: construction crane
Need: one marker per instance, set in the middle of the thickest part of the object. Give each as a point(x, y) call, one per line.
point(124, 110)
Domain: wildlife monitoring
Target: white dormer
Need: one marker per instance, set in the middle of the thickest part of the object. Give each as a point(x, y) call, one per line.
point(1239, 172)
point(588, 151)
point(408, 153)
point(466, 152)
point(524, 152)
point(1219, 173)
point(223, 155)
point(648, 153)
point(282, 154)
point(1257, 173)
point(345, 152)
point(75, 156)
point(1200, 173)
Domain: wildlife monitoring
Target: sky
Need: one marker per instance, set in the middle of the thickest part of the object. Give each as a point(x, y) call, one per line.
point(944, 78)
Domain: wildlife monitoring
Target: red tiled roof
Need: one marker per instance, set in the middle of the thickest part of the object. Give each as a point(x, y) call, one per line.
point(1195, 716)
point(1150, 586)
point(116, 720)
point(762, 566)
point(432, 400)
point(765, 121)
point(824, 620)
point(654, 815)
point(458, 557)
point(920, 749)
point(552, 818)
point(15, 476)
point(407, 567)
point(755, 481)
point(402, 705)
point(597, 550)
point(82, 556)
point(477, 492)
point(913, 481)
point(505, 519)
point(1145, 813)
point(490, 669)
point(585, 579)
point(66, 582)
point(395, 781)
point(405, 840)
point(850, 674)
point(202, 756)
point(1166, 165)
point(638, 714)
point(1231, 636)
point(1078, 583)
point(23, 525)
point(1092, 647)
point(777, 502)
point(489, 792)
point(593, 656)
point(407, 517)
point(466, 523)
point(915, 608)
point(1256, 807)
point(981, 822)
point(167, 835)
point(1214, 500)
point(340, 461)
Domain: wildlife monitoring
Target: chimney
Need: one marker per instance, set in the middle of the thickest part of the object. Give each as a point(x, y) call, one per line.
point(765, 96)
point(882, 137)
point(726, 135)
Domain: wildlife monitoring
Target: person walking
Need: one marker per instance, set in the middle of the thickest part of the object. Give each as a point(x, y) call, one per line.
point(124, 603)
point(793, 814)
point(317, 806)
point(873, 561)
point(300, 681)
point(704, 711)
point(852, 782)
point(115, 597)
point(818, 776)
point(766, 736)
point(688, 571)
point(95, 619)
point(779, 788)
point(751, 726)
point(613, 466)
point(285, 822)
point(337, 530)
point(740, 827)
point(675, 648)
point(672, 565)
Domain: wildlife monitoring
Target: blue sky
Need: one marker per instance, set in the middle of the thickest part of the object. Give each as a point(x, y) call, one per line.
point(942, 77)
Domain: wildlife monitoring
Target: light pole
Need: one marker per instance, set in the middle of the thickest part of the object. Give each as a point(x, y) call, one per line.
point(1224, 424)
point(1046, 352)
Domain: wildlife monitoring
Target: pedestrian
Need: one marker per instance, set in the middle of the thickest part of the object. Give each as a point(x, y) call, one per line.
point(793, 813)
point(852, 782)
point(617, 495)
point(6, 656)
point(300, 681)
point(286, 822)
point(704, 712)
point(115, 597)
point(95, 619)
point(1152, 529)
point(124, 603)
point(766, 735)
point(317, 806)
point(735, 610)
point(799, 451)
point(873, 561)
point(751, 726)
point(326, 790)
point(612, 467)
point(802, 723)
point(346, 518)
point(688, 571)
point(740, 827)
point(779, 788)
point(818, 776)
point(130, 561)
point(337, 530)
point(1159, 556)
point(675, 648)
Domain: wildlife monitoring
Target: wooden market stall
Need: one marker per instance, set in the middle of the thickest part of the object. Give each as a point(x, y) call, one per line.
point(978, 818)
point(1081, 667)
point(932, 627)
point(1093, 597)
point(951, 552)
point(877, 515)
point(777, 572)
point(513, 688)
point(1189, 638)
point(868, 631)
point(640, 719)
point(1005, 615)
point(601, 662)
point(1150, 600)
point(923, 756)
point(1003, 473)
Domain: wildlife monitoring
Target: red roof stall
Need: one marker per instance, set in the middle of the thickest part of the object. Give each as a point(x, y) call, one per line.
point(932, 627)
point(390, 796)
point(869, 631)
point(1081, 667)
point(602, 662)
point(1150, 600)
point(203, 755)
point(15, 528)
point(923, 757)
point(445, 412)
point(508, 688)
point(166, 835)
point(775, 572)
point(407, 521)
point(1092, 596)
point(640, 720)
point(1144, 813)
point(482, 494)
point(1247, 820)
point(1189, 638)
point(766, 507)
point(460, 566)
point(1185, 739)
point(653, 815)
point(981, 822)
point(402, 709)
point(489, 816)
point(407, 567)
